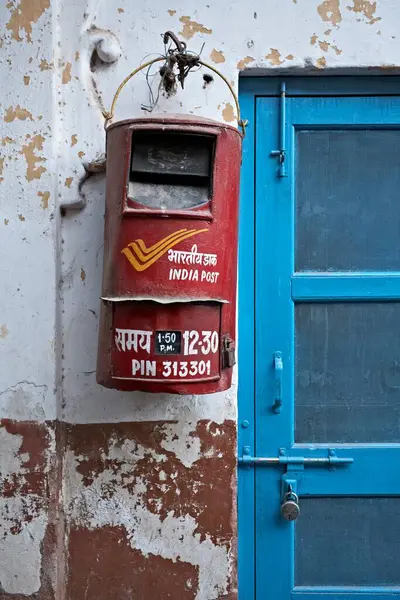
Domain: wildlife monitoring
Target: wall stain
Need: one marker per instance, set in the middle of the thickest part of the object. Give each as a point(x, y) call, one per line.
point(274, 57)
point(28, 151)
point(44, 202)
point(74, 139)
point(217, 56)
point(190, 28)
point(66, 74)
point(242, 64)
point(366, 8)
point(26, 79)
point(24, 15)
point(228, 113)
point(329, 11)
point(17, 113)
point(68, 182)
point(3, 329)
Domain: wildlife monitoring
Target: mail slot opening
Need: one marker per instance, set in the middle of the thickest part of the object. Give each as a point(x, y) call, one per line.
point(170, 171)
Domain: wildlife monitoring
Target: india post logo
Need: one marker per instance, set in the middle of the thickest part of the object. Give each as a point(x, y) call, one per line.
point(141, 257)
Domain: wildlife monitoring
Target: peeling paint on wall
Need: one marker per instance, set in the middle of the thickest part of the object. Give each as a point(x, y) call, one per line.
point(217, 56)
point(44, 202)
point(132, 479)
point(28, 151)
point(242, 64)
point(25, 459)
point(17, 113)
point(23, 15)
point(365, 8)
point(66, 74)
point(274, 57)
point(329, 11)
point(190, 28)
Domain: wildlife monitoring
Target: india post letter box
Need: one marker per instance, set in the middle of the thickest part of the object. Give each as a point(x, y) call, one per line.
point(168, 308)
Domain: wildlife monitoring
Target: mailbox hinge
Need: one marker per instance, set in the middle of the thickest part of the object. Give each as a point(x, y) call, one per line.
point(228, 352)
point(281, 153)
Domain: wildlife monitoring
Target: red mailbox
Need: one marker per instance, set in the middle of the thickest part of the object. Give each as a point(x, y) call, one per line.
point(168, 311)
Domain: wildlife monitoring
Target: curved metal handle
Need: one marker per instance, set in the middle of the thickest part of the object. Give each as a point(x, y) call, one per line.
point(278, 366)
point(109, 115)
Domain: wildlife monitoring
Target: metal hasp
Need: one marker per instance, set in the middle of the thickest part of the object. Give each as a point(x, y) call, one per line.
point(281, 154)
point(303, 461)
point(278, 365)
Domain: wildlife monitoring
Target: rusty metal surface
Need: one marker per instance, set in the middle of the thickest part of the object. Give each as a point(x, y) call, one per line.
point(164, 254)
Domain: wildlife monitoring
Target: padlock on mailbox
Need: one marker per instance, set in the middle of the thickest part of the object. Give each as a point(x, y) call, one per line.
point(168, 309)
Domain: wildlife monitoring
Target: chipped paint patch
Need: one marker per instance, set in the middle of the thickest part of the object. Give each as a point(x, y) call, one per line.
point(367, 9)
point(28, 150)
point(3, 329)
point(77, 55)
point(68, 181)
point(228, 113)
point(289, 57)
point(1, 168)
point(26, 79)
point(313, 39)
point(74, 140)
point(21, 114)
point(46, 66)
point(6, 221)
point(217, 56)
point(171, 12)
point(274, 57)
point(44, 202)
point(83, 274)
point(21, 217)
point(66, 74)
point(321, 62)
point(24, 15)
point(329, 11)
point(121, 10)
point(242, 64)
point(190, 28)
point(7, 140)
point(81, 154)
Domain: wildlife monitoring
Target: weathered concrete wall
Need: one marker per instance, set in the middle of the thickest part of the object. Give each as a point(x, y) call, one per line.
point(106, 494)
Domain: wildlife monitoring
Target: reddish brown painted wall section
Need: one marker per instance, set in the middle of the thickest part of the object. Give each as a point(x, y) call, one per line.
point(102, 562)
point(92, 552)
point(29, 493)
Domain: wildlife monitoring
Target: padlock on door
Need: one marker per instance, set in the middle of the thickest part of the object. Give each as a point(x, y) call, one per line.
point(290, 509)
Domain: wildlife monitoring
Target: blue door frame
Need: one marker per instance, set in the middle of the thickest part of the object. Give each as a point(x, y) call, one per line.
point(269, 290)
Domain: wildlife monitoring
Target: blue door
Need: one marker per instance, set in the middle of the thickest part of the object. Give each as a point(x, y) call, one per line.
point(319, 340)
